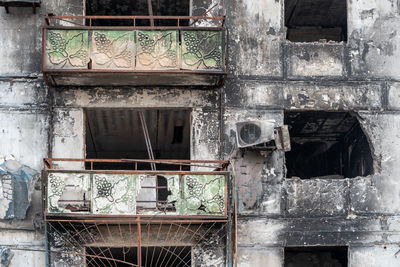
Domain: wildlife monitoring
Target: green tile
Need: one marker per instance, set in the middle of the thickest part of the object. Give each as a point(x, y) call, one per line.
point(202, 50)
point(203, 195)
point(157, 50)
point(112, 49)
point(67, 49)
point(114, 194)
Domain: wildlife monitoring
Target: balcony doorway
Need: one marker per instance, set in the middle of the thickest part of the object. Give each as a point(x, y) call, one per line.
point(137, 8)
point(119, 134)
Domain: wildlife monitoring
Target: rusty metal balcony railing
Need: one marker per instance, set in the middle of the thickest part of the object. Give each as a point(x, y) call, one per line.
point(75, 191)
point(77, 54)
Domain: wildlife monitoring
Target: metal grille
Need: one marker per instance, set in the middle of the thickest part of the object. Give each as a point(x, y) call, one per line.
point(137, 243)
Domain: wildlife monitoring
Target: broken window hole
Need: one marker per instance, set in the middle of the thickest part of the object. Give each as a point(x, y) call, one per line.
point(327, 145)
point(316, 256)
point(162, 195)
point(316, 20)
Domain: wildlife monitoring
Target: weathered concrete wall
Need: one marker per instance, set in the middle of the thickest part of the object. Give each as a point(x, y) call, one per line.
point(21, 36)
point(24, 116)
point(267, 75)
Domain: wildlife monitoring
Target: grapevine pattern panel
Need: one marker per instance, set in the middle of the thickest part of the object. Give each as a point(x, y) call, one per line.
point(112, 49)
point(202, 50)
point(67, 191)
point(134, 49)
point(157, 50)
point(67, 49)
point(114, 194)
point(117, 194)
point(203, 195)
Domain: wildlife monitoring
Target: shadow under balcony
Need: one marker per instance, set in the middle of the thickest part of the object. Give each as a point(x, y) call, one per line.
point(75, 53)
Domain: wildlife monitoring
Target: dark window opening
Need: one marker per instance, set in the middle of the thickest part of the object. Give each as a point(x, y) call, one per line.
point(162, 194)
point(316, 20)
point(172, 256)
point(118, 134)
point(137, 8)
point(316, 256)
point(327, 145)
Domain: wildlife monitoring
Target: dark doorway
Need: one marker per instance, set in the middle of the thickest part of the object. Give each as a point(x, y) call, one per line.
point(316, 257)
point(315, 20)
point(327, 145)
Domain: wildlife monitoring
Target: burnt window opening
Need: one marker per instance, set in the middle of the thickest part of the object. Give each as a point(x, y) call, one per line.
point(137, 8)
point(316, 256)
point(118, 134)
point(327, 145)
point(172, 256)
point(316, 20)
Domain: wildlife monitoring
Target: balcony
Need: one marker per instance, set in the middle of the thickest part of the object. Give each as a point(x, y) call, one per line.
point(74, 192)
point(75, 54)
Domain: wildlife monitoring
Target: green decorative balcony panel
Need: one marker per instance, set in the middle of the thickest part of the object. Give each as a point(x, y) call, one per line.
point(203, 194)
point(112, 49)
point(157, 50)
point(133, 57)
point(114, 194)
point(67, 49)
point(202, 50)
point(86, 192)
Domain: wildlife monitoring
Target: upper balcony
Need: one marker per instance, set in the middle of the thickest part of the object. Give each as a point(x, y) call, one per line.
point(76, 53)
point(124, 190)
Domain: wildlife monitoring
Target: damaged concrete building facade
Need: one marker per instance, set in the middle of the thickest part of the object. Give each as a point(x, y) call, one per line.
point(200, 133)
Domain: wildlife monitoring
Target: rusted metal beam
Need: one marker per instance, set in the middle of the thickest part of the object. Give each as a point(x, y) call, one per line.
point(155, 220)
point(137, 17)
point(198, 72)
point(147, 139)
point(142, 172)
point(161, 28)
point(219, 164)
point(139, 248)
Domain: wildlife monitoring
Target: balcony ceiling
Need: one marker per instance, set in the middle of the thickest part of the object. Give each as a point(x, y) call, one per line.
point(117, 133)
point(319, 124)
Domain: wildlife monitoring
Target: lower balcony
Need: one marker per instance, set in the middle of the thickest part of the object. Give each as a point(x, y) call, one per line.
point(81, 55)
point(131, 192)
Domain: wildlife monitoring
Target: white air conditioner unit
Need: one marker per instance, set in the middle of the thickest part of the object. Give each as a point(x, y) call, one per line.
point(252, 133)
